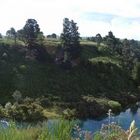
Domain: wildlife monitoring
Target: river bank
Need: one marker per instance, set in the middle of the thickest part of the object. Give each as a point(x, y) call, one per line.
point(39, 109)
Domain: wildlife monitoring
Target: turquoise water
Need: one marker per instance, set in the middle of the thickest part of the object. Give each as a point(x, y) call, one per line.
point(123, 119)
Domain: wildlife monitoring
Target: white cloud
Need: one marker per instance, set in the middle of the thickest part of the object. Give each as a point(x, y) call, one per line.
point(50, 13)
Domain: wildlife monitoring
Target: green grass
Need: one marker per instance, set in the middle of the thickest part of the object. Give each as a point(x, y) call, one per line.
point(58, 130)
point(105, 60)
point(13, 133)
point(114, 105)
point(63, 129)
point(87, 43)
point(52, 42)
point(9, 41)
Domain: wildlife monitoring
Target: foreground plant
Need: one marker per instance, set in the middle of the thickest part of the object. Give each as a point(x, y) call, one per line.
point(66, 130)
point(113, 131)
point(132, 132)
point(13, 133)
point(57, 130)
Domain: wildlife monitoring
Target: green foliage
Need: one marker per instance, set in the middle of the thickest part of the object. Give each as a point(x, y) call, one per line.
point(27, 110)
point(130, 55)
point(99, 74)
point(31, 32)
point(1, 36)
point(62, 130)
point(53, 36)
point(12, 34)
point(105, 60)
point(97, 136)
point(40, 38)
point(114, 105)
point(69, 113)
point(17, 95)
point(9, 41)
point(136, 73)
point(21, 35)
point(114, 132)
point(14, 133)
point(98, 39)
point(70, 39)
point(59, 130)
point(23, 68)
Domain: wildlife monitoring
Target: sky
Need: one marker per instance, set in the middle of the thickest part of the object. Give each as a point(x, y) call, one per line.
point(122, 17)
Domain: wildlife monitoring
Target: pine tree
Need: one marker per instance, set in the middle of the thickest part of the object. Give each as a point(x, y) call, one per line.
point(70, 40)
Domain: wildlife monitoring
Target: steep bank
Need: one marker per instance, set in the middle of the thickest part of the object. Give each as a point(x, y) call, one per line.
point(91, 87)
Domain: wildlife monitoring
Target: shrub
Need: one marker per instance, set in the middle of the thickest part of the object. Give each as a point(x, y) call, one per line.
point(28, 100)
point(17, 95)
point(114, 105)
point(69, 113)
point(22, 68)
point(2, 112)
point(8, 106)
point(136, 73)
point(29, 112)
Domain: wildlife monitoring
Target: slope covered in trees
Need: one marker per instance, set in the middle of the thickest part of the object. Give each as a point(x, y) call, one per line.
point(71, 72)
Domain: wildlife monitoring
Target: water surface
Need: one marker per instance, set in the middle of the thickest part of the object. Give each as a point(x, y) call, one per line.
point(123, 119)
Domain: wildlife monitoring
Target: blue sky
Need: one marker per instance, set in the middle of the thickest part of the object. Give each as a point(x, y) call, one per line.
point(92, 16)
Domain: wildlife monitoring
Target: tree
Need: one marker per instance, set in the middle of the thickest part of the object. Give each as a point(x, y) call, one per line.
point(136, 73)
point(12, 34)
point(31, 31)
point(21, 35)
point(128, 55)
point(98, 39)
point(0, 35)
point(54, 35)
point(112, 42)
point(70, 40)
point(40, 38)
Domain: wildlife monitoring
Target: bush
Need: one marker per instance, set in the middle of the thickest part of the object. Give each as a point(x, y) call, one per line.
point(22, 68)
point(114, 105)
point(17, 95)
point(136, 73)
point(26, 112)
point(2, 112)
point(69, 113)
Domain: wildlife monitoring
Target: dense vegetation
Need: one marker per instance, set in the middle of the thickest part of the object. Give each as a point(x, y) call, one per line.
point(67, 130)
point(67, 75)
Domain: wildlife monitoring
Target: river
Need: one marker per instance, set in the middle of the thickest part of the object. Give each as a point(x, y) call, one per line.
point(123, 119)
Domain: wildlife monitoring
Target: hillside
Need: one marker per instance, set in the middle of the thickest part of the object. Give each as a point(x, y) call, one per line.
point(97, 79)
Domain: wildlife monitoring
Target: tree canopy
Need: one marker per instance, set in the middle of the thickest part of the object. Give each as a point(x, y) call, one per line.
point(31, 31)
point(12, 34)
point(70, 39)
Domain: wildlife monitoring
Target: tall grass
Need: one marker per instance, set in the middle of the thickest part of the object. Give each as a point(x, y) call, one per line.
point(57, 130)
point(13, 133)
point(62, 130)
